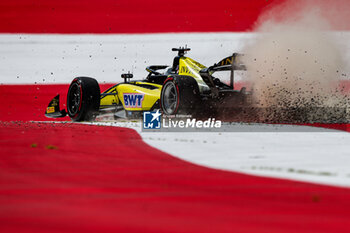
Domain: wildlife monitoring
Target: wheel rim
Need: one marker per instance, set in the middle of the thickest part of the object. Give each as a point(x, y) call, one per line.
point(170, 98)
point(74, 99)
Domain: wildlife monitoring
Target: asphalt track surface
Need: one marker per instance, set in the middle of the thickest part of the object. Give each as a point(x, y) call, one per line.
point(63, 177)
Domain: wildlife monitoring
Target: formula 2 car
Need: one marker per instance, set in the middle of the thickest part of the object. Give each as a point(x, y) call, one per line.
point(186, 87)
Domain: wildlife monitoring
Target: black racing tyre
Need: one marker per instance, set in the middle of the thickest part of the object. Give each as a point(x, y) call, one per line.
point(179, 95)
point(83, 99)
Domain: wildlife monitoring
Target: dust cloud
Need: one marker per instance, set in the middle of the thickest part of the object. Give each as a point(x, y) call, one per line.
point(295, 64)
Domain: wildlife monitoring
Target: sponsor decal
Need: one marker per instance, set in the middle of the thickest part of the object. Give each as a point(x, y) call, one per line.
point(185, 70)
point(50, 109)
point(191, 123)
point(189, 66)
point(133, 100)
point(151, 120)
point(226, 61)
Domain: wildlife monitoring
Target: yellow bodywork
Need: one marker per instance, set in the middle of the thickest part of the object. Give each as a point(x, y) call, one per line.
point(132, 96)
point(190, 67)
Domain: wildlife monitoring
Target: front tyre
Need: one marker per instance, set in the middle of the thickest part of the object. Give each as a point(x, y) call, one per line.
point(83, 99)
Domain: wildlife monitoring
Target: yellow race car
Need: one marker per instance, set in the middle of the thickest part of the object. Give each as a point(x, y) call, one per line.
point(183, 88)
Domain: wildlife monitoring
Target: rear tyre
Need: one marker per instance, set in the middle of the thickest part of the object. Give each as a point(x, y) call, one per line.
point(179, 95)
point(83, 99)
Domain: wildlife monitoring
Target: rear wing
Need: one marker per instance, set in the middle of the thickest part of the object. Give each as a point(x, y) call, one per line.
point(231, 63)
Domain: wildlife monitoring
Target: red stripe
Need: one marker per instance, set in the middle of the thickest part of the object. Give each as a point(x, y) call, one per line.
point(155, 16)
point(136, 16)
point(82, 178)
